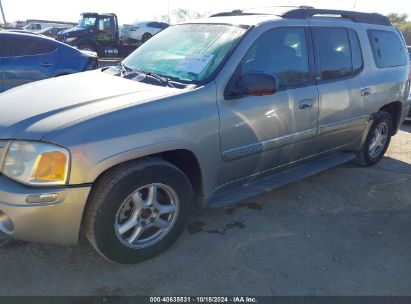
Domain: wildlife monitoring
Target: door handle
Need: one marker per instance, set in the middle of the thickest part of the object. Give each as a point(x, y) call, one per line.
point(305, 104)
point(46, 64)
point(366, 92)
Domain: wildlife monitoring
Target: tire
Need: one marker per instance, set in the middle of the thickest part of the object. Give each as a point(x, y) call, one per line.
point(87, 47)
point(369, 155)
point(122, 196)
point(146, 37)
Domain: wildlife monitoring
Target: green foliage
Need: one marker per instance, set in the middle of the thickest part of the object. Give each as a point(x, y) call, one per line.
point(400, 21)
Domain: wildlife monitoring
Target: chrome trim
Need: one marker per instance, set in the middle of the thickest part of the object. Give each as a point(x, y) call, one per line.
point(361, 120)
point(266, 145)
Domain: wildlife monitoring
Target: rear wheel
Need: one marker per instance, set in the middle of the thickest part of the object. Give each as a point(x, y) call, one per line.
point(377, 141)
point(146, 37)
point(138, 210)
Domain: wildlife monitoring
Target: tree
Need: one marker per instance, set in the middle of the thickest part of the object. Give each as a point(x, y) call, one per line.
point(165, 18)
point(182, 15)
point(397, 18)
point(400, 21)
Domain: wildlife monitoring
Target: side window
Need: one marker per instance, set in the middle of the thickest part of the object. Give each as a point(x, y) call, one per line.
point(387, 49)
point(280, 52)
point(16, 47)
point(357, 59)
point(104, 24)
point(334, 51)
point(38, 26)
point(163, 25)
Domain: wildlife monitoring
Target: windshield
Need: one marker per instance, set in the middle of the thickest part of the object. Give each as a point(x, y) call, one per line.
point(188, 52)
point(87, 22)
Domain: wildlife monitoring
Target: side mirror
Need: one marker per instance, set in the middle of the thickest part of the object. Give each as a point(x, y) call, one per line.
point(256, 84)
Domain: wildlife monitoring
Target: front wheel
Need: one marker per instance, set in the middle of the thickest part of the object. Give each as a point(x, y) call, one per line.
point(377, 141)
point(87, 47)
point(138, 210)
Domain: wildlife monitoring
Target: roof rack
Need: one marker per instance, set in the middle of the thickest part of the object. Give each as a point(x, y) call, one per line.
point(304, 13)
point(234, 13)
point(246, 12)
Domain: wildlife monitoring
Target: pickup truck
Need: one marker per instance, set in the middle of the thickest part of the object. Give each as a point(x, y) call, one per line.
point(99, 33)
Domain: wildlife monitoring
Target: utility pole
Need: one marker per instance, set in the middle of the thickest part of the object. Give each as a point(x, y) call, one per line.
point(2, 12)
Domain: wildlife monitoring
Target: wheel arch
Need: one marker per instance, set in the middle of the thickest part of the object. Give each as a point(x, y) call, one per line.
point(394, 109)
point(184, 159)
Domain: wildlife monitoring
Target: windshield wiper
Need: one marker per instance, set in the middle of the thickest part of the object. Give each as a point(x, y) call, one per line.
point(125, 70)
point(129, 73)
point(163, 80)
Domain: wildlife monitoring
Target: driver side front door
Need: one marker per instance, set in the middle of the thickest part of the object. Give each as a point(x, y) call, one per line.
point(259, 133)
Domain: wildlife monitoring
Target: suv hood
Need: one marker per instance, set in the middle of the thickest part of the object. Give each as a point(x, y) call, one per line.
point(33, 110)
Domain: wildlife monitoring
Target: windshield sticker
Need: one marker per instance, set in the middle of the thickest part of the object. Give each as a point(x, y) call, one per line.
point(194, 63)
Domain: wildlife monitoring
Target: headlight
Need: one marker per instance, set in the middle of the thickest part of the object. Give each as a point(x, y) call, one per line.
point(68, 40)
point(36, 163)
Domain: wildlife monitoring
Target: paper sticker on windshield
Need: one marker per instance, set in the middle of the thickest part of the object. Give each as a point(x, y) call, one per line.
point(194, 63)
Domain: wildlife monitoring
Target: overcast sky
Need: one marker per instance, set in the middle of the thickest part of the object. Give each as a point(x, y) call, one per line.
point(132, 10)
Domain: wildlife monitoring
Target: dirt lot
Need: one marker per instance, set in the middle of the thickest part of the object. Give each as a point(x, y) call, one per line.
point(346, 231)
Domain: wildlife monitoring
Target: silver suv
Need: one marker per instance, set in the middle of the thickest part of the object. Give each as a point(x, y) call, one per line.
point(205, 113)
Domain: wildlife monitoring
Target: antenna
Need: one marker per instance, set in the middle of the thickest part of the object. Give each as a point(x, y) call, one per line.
point(2, 12)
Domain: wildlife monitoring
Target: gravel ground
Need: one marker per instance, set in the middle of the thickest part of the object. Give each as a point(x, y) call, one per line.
point(343, 232)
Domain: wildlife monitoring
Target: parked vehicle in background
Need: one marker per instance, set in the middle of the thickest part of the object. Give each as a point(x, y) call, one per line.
point(99, 33)
point(53, 31)
point(210, 112)
point(29, 57)
point(38, 26)
point(143, 31)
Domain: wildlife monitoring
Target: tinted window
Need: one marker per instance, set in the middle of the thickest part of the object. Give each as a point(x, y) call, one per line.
point(163, 25)
point(158, 25)
point(104, 23)
point(335, 52)
point(387, 49)
point(356, 51)
point(24, 47)
point(282, 53)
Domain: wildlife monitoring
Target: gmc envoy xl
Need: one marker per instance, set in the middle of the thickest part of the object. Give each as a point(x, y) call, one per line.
point(205, 113)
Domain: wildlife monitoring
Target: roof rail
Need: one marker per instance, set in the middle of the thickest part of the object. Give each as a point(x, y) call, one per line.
point(246, 12)
point(304, 13)
point(234, 13)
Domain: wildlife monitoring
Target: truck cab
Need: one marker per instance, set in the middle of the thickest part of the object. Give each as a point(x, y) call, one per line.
point(93, 33)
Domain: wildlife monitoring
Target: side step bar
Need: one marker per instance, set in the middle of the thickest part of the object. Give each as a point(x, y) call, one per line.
point(277, 180)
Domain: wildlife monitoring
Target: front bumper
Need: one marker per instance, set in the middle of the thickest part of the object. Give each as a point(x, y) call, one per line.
point(56, 223)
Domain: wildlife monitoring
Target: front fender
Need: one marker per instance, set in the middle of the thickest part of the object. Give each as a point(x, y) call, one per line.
point(185, 121)
point(128, 155)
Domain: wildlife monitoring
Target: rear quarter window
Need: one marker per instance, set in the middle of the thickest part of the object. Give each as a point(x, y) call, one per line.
point(387, 49)
point(22, 46)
